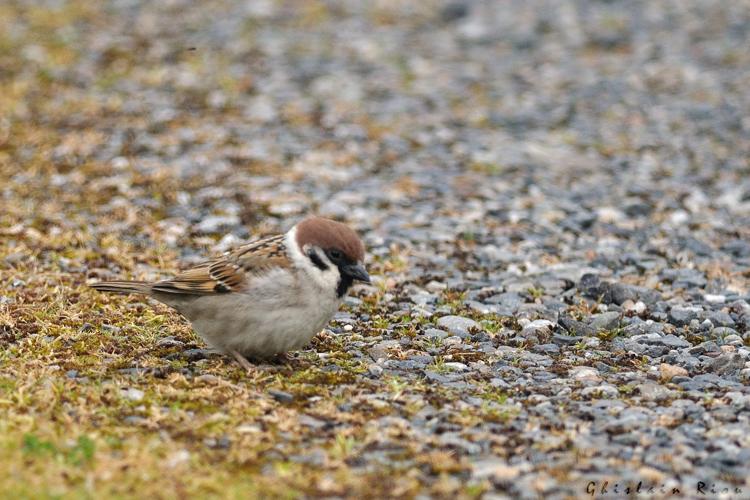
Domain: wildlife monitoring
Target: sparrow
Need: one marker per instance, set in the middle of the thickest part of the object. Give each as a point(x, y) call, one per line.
point(266, 297)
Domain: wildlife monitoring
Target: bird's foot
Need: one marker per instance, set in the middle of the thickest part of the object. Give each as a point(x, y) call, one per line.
point(242, 360)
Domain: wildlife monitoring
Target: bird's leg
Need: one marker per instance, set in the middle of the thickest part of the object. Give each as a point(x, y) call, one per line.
point(242, 360)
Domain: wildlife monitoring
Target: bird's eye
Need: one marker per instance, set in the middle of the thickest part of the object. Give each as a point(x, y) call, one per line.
point(334, 254)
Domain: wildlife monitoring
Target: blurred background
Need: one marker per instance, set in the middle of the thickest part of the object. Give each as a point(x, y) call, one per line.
point(490, 152)
point(206, 118)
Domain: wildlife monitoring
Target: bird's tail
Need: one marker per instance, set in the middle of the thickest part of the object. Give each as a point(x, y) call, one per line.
point(122, 286)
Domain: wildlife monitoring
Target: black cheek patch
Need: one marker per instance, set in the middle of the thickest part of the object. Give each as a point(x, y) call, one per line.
point(317, 261)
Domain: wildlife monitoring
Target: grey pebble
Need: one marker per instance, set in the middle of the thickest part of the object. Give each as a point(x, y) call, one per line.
point(281, 396)
point(457, 325)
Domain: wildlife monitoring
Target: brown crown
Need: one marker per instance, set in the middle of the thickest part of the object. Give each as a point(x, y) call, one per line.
point(327, 234)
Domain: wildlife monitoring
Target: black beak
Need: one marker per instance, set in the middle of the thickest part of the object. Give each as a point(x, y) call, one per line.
point(357, 272)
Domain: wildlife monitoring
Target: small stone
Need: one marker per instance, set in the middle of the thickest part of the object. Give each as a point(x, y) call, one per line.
point(704, 347)
point(647, 338)
point(452, 341)
point(738, 248)
point(546, 349)
point(509, 301)
point(169, 342)
point(669, 341)
point(316, 457)
point(627, 421)
point(280, 396)
point(682, 316)
point(740, 307)
point(352, 301)
point(457, 325)
point(635, 307)
point(460, 367)
point(375, 370)
point(435, 286)
point(605, 321)
point(498, 382)
point(196, 354)
point(610, 215)
point(217, 223)
point(705, 326)
point(722, 332)
point(601, 391)
point(721, 318)
point(620, 292)
point(133, 394)
point(135, 420)
point(422, 298)
point(495, 469)
point(684, 278)
point(726, 364)
point(584, 373)
point(312, 422)
point(733, 340)
point(436, 377)
point(381, 349)
point(434, 333)
point(14, 258)
point(589, 285)
point(592, 342)
point(177, 458)
point(633, 346)
point(668, 372)
point(249, 429)
point(653, 392)
point(207, 378)
point(714, 299)
point(539, 324)
point(454, 11)
point(575, 327)
point(482, 308)
point(565, 339)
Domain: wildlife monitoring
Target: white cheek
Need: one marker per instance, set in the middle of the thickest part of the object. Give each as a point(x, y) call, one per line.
point(328, 278)
point(325, 279)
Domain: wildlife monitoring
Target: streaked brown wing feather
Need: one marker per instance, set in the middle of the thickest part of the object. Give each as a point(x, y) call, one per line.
point(231, 272)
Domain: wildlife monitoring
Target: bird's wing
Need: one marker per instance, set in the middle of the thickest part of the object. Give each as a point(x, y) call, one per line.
point(231, 272)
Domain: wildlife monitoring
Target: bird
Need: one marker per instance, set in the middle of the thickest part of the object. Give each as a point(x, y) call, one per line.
point(267, 297)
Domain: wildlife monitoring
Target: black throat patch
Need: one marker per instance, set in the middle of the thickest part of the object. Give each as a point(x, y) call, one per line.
point(345, 281)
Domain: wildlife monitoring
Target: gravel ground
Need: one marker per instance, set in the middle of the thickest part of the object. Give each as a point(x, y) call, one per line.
point(555, 198)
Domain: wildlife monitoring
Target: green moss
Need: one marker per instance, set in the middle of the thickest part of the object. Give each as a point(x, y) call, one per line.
point(495, 395)
point(438, 365)
point(608, 335)
point(498, 413)
point(536, 292)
